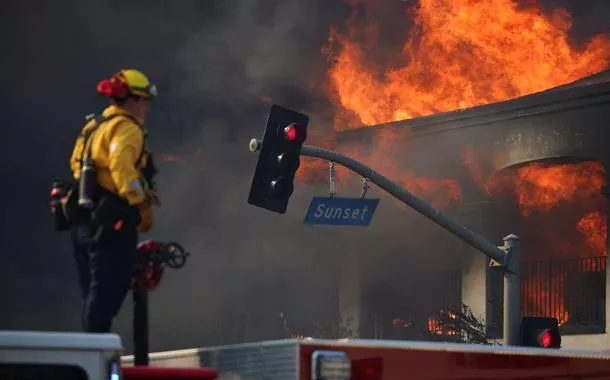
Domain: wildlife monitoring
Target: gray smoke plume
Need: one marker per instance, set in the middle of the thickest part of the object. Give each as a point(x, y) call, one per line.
point(217, 64)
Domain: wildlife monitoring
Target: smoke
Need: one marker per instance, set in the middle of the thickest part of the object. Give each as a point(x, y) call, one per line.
point(249, 265)
point(215, 62)
point(589, 17)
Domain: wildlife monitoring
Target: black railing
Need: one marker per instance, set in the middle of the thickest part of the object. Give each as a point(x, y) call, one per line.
point(573, 291)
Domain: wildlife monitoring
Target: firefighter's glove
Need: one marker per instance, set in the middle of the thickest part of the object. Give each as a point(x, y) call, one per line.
point(152, 198)
point(146, 215)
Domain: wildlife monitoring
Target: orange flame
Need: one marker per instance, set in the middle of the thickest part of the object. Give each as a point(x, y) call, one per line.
point(594, 227)
point(540, 190)
point(461, 53)
point(435, 326)
point(541, 187)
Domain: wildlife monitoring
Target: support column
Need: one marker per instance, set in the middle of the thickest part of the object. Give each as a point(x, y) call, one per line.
point(474, 287)
point(606, 193)
point(481, 290)
point(350, 290)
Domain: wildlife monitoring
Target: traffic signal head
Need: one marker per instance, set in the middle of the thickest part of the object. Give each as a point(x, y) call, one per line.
point(540, 332)
point(278, 159)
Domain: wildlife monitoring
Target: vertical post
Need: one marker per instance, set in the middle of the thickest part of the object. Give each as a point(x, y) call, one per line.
point(140, 327)
point(350, 308)
point(606, 310)
point(512, 291)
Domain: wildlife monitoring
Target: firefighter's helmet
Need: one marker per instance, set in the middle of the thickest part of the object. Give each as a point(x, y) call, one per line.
point(128, 82)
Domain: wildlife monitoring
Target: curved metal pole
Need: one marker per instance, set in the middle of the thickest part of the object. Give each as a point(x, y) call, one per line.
point(475, 240)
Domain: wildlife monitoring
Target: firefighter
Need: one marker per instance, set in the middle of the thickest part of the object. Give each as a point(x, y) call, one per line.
point(112, 198)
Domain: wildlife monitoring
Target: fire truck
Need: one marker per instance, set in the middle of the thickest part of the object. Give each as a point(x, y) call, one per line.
point(28, 355)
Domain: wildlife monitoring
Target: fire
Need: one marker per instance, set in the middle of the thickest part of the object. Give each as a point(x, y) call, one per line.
point(459, 54)
point(436, 326)
point(545, 301)
point(594, 227)
point(541, 187)
point(564, 207)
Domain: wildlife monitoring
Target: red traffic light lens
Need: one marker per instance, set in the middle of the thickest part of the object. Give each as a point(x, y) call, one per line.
point(290, 132)
point(546, 339)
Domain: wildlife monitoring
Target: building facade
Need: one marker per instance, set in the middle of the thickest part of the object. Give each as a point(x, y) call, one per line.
point(537, 168)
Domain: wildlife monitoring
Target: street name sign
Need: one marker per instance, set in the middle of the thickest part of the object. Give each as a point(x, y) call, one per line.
point(334, 211)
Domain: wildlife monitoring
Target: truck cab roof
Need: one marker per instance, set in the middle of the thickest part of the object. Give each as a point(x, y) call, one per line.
point(64, 340)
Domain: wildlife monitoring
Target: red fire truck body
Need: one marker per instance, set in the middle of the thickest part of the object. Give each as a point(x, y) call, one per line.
point(38, 355)
point(309, 359)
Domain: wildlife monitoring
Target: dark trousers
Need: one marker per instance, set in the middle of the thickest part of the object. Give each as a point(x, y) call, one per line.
point(105, 269)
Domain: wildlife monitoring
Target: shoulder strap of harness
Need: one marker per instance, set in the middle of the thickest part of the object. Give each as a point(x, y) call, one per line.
point(99, 120)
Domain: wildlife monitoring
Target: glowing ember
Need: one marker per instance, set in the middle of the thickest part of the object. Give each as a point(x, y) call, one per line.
point(461, 53)
point(437, 327)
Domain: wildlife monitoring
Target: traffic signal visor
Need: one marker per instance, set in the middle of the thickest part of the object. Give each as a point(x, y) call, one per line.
point(540, 332)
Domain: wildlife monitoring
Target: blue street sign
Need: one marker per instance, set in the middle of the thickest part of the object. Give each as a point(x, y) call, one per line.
point(341, 211)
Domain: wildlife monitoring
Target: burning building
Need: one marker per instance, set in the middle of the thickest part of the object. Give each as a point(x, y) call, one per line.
point(491, 113)
point(545, 181)
point(485, 116)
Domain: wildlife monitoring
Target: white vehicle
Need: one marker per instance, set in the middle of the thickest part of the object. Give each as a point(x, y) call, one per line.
point(30, 355)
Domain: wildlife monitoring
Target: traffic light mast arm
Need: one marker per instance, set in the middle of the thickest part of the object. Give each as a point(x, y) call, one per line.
point(473, 239)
